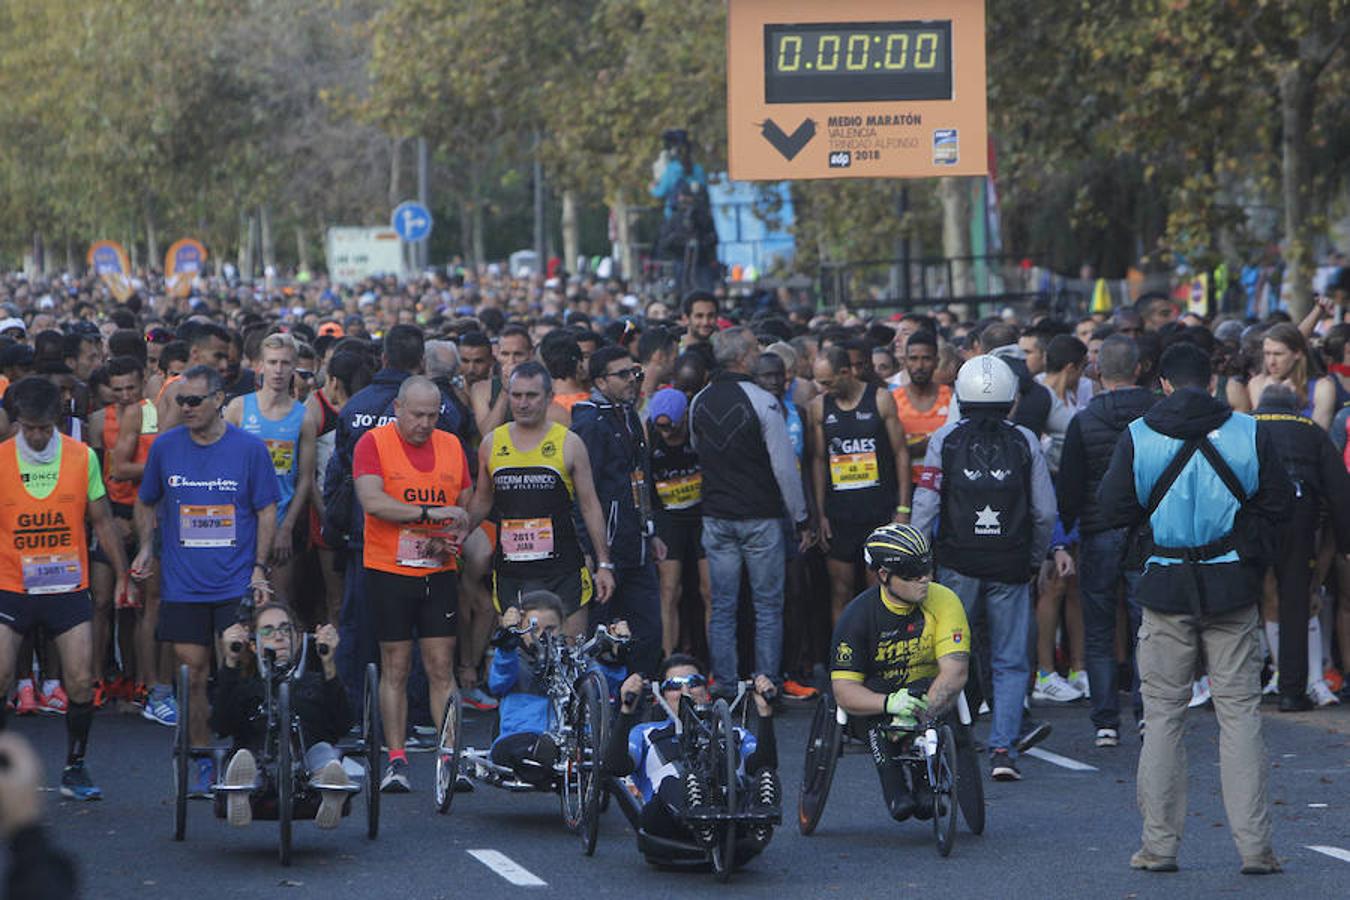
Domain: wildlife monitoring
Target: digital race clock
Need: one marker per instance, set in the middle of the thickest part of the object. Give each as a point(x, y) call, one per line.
point(833, 62)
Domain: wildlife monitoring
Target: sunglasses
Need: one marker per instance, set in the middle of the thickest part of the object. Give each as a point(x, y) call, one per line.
point(634, 373)
point(684, 682)
point(191, 401)
point(267, 631)
point(306, 374)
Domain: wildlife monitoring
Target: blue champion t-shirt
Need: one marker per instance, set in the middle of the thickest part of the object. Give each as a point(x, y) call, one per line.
point(208, 500)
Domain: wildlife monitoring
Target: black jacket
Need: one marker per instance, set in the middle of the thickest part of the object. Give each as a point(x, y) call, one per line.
point(617, 449)
point(1032, 409)
point(1313, 464)
point(1199, 588)
point(1088, 445)
point(320, 703)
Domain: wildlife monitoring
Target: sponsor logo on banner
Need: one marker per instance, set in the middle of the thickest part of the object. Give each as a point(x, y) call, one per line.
point(109, 261)
point(182, 265)
point(946, 147)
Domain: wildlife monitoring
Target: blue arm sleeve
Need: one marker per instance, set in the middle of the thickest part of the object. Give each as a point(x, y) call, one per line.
point(505, 672)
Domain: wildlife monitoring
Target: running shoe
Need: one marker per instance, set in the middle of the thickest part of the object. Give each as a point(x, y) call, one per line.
point(203, 784)
point(1052, 687)
point(242, 770)
point(1079, 681)
point(77, 785)
point(122, 688)
point(1273, 685)
point(1200, 693)
point(1107, 737)
point(1334, 679)
point(479, 699)
point(54, 703)
point(1033, 732)
point(1002, 767)
point(1322, 695)
point(330, 802)
point(101, 695)
point(162, 710)
point(1152, 862)
point(395, 780)
point(417, 742)
point(798, 691)
point(28, 702)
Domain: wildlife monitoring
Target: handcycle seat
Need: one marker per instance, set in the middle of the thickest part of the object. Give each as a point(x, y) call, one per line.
point(770, 815)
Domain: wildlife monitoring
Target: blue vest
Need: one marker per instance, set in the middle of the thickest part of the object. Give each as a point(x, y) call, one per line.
point(795, 429)
point(1198, 509)
point(282, 437)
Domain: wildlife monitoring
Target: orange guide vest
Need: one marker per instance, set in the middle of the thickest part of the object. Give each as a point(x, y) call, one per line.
point(43, 549)
point(400, 547)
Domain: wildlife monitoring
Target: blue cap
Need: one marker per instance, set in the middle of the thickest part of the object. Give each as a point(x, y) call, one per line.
point(668, 402)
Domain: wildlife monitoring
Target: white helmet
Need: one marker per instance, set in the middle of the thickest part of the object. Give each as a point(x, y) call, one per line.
point(985, 381)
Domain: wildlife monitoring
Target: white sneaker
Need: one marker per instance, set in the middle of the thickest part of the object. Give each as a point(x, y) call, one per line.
point(1200, 694)
point(242, 770)
point(1321, 694)
point(1273, 685)
point(1078, 679)
point(1054, 688)
point(1107, 737)
point(330, 802)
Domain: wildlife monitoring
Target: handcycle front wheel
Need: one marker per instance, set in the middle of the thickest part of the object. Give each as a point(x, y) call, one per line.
point(182, 754)
point(285, 770)
point(969, 782)
point(448, 747)
point(822, 754)
point(370, 735)
point(592, 735)
point(722, 749)
point(945, 786)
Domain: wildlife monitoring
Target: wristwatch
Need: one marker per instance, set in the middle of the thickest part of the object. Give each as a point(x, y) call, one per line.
point(267, 570)
point(606, 565)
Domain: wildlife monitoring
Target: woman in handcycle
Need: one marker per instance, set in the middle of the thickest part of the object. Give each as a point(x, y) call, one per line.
point(318, 700)
point(651, 753)
point(525, 743)
point(901, 653)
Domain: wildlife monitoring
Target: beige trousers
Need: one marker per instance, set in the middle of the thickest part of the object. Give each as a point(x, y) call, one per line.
point(1169, 655)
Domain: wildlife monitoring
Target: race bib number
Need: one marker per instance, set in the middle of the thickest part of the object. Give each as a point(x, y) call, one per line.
point(415, 548)
point(524, 540)
point(283, 455)
point(682, 492)
point(206, 526)
point(55, 573)
point(851, 471)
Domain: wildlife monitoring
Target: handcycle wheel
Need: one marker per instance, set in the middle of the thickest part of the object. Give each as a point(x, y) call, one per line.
point(370, 734)
point(724, 762)
point(448, 747)
point(945, 785)
point(822, 754)
point(969, 782)
point(285, 770)
point(182, 753)
point(592, 734)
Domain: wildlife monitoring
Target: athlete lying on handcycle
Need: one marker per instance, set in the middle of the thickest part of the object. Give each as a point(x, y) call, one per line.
point(318, 701)
point(526, 744)
point(652, 753)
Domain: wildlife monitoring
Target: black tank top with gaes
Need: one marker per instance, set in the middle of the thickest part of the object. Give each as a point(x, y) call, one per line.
point(860, 463)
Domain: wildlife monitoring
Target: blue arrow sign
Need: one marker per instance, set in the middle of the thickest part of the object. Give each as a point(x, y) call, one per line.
point(411, 220)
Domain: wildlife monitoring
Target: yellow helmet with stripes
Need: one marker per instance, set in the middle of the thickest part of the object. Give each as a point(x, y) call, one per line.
point(902, 550)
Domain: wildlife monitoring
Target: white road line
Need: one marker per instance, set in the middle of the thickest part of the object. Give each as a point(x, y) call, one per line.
point(508, 868)
point(1333, 852)
point(1062, 761)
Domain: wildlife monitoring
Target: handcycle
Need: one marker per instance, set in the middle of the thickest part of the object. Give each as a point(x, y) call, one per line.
point(579, 717)
point(282, 789)
point(710, 746)
point(945, 754)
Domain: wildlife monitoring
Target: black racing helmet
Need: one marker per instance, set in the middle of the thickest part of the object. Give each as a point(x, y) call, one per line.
point(902, 550)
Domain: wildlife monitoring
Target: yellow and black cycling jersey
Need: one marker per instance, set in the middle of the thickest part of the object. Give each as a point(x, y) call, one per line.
point(887, 644)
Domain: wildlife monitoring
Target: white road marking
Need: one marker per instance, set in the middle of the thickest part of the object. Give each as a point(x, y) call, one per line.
point(1333, 852)
point(508, 868)
point(1062, 761)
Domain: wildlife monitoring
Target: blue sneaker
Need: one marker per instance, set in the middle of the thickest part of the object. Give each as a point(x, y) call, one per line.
point(202, 786)
point(77, 785)
point(162, 710)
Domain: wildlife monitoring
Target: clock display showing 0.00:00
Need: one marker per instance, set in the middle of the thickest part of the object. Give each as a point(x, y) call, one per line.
point(839, 62)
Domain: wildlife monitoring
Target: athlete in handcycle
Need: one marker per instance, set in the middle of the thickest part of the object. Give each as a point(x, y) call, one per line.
point(899, 664)
point(696, 788)
point(279, 700)
point(554, 713)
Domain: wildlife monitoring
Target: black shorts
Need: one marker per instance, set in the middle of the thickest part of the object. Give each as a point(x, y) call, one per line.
point(573, 588)
point(195, 623)
point(57, 613)
point(123, 510)
point(683, 538)
point(407, 606)
point(847, 539)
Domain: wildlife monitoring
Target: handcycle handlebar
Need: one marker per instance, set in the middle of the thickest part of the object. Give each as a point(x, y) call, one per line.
point(603, 637)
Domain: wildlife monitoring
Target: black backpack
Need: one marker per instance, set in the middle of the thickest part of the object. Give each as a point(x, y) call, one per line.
point(985, 524)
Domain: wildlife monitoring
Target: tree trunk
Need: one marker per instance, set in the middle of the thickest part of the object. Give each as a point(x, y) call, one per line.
point(39, 255)
point(395, 172)
point(623, 237)
point(1297, 95)
point(466, 235)
point(479, 234)
point(247, 239)
point(955, 198)
point(70, 255)
point(571, 230)
point(151, 235)
point(269, 247)
point(301, 248)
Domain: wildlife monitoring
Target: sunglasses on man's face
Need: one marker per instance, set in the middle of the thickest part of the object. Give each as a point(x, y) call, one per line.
point(306, 374)
point(191, 400)
point(266, 632)
point(684, 682)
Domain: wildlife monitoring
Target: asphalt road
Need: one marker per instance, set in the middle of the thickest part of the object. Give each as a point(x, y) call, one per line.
point(1059, 833)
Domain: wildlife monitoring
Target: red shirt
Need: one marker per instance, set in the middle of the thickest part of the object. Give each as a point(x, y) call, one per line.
point(366, 459)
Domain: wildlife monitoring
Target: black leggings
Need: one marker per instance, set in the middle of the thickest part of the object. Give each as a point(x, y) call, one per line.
point(531, 756)
point(1293, 576)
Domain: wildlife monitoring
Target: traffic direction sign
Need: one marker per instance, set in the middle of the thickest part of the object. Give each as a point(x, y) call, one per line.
point(411, 220)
